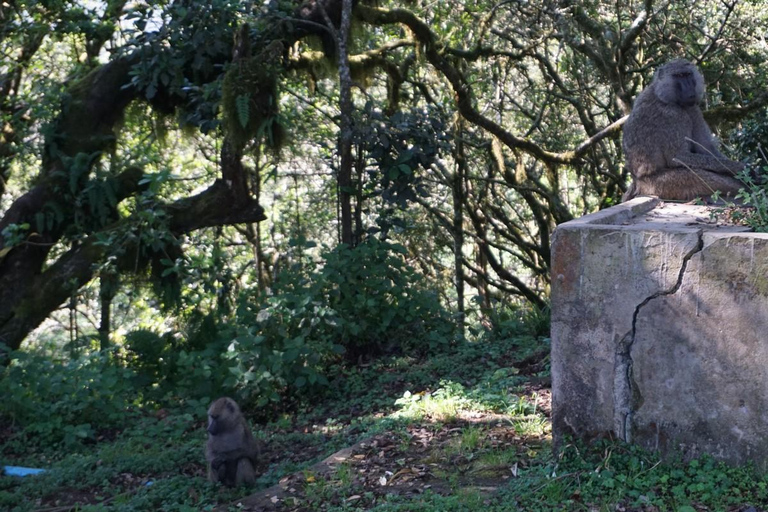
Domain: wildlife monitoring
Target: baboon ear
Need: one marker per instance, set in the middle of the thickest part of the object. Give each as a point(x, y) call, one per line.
point(231, 407)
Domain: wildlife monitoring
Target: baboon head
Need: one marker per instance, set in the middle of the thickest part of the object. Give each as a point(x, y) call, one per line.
point(223, 416)
point(679, 83)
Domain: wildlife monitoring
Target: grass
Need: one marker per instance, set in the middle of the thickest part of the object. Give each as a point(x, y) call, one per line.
point(467, 429)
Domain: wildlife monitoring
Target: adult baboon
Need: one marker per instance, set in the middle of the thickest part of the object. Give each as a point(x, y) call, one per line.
point(231, 451)
point(670, 150)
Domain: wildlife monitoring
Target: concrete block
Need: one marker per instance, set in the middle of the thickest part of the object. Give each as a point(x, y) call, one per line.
point(660, 331)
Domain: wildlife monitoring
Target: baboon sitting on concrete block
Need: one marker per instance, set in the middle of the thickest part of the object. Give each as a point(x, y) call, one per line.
point(670, 150)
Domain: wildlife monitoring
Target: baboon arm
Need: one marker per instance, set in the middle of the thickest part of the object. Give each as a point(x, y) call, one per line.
point(707, 163)
point(702, 139)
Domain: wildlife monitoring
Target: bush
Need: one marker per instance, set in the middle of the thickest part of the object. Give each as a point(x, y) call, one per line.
point(510, 320)
point(65, 402)
point(362, 301)
point(379, 302)
point(181, 364)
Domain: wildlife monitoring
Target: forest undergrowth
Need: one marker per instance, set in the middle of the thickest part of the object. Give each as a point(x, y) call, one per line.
point(467, 428)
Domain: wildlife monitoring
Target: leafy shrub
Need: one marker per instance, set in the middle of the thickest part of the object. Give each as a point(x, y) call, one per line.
point(749, 142)
point(150, 354)
point(505, 321)
point(355, 301)
point(755, 196)
point(359, 301)
point(379, 301)
point(180, 367)
point(267, 353)
point(67, 402)
point(286, 350)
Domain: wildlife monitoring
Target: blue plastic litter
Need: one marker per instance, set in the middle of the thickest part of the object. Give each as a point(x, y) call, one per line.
point(20, 471)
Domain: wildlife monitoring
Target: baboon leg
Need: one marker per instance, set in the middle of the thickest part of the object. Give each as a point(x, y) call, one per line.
point(684, 184)
point(245, 472)
point(213, 475)
point(223, 472)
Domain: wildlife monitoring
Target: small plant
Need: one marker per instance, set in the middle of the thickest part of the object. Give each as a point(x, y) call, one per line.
point(442, 405)
point(755, 196)
point(472, 439)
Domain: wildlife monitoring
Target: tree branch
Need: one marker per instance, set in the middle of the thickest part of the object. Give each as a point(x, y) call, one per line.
point(436, 55)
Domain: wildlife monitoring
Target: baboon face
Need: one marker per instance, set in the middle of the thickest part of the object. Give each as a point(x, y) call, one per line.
point(220, 415)
point(679, 83)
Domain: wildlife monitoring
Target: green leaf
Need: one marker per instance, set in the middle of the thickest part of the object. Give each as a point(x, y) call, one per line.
point(404, 156)
point(151, 91)
point(243, 109)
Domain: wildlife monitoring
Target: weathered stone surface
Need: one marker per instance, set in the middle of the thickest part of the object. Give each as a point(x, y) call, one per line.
point(660, 331)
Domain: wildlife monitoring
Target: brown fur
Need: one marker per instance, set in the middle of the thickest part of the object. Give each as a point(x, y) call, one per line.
point(670, 150)
point(231, 451)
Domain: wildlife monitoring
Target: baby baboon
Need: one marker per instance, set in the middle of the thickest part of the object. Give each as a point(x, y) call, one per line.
point(670, 150)
point(231, 451)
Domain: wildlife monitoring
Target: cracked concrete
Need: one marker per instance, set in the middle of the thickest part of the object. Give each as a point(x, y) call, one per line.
point(625, 391)
point(660, 331)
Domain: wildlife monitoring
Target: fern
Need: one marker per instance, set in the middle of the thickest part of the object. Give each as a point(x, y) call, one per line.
point(241, 102)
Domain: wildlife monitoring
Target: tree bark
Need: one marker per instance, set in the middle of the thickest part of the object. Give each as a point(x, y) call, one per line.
point(457, 188)
point(108, 285)
point(345, 126)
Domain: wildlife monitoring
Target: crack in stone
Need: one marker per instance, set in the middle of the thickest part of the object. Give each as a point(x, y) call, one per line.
point(623, 389)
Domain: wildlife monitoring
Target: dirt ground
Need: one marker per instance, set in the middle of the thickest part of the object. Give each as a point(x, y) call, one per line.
point(429, 456)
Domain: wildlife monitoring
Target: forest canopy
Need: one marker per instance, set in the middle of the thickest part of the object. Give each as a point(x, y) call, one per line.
point(165, 162)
